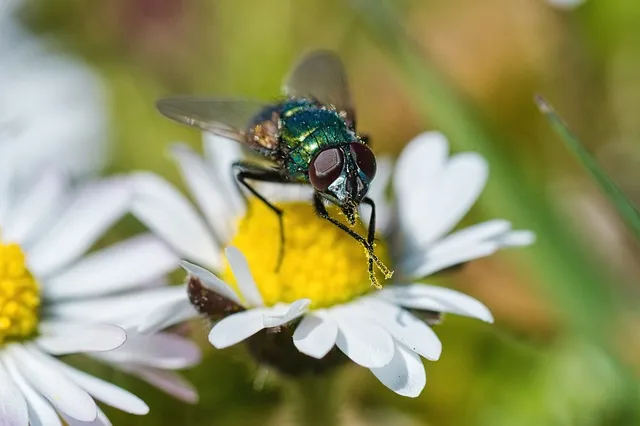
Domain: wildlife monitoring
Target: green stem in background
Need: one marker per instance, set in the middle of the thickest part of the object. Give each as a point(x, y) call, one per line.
point(611, 190)
point(315, 400)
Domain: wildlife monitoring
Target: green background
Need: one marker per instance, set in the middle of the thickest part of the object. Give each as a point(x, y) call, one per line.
point(565, 347)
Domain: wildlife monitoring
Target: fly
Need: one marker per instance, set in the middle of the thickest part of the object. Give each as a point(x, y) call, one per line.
point(308, 137)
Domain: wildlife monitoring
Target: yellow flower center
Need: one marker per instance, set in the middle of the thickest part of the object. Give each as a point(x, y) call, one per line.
point(321, 262)
point(19, 296)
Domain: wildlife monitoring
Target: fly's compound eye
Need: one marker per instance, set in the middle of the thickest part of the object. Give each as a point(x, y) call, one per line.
point(325, 168)
point(365, 159)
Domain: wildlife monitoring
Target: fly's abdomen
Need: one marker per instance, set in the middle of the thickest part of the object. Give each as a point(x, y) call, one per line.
point(307, 129)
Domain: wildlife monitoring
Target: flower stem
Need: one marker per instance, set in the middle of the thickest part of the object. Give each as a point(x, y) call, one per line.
point(315, 400)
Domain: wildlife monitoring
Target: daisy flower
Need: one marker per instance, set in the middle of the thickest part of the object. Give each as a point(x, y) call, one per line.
point(8, 8)
point(55, 300)
point(52, 107)
point(320, 301)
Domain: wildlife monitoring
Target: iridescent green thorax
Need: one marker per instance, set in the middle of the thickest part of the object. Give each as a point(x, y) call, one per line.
point(305, 129)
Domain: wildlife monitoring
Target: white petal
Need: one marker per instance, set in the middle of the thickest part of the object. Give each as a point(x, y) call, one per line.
point(236, 328)
point(402, 325)
point(211, 281)
point(13, 407)
point(101, 420)
point(518, 239)
point(446, 191)
point(241, 271)
point(221, 154)
point(459, 240)
point(383, 176)
point(167, 381)
point(62, 338)
point(103, 391)
point(466, 244)
point(421, 161)
point(160, 350)
point(7, 177)
point(405, 373)
point(459, 186)
point(438, 299)
point(316, 334)
point(124, 266)
point(41, 413)
point(427, 265)
point(366, 343)
point(284, 313)
point(478, 240)
point(64, 394)
point(278, 192)
point(378, 193)
point(167, 315)
point(35, 207)
point(213, 201)
point(132, 306)
point(94, 209)
point(169, 215)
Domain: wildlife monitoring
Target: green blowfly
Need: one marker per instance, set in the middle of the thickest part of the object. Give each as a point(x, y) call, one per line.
point(309, 137)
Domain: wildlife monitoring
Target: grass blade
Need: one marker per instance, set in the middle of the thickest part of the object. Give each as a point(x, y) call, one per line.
point(611, 190)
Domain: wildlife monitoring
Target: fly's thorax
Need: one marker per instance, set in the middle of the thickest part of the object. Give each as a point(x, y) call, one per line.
point(306, 129)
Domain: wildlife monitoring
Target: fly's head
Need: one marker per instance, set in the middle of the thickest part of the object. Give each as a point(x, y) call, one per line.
point(342, 174)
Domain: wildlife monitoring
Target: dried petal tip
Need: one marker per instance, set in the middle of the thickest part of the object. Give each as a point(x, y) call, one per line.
point(208, 302)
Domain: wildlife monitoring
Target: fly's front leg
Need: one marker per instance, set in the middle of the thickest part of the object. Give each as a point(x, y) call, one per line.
point(372, 228)
point(248, 171)
point(371, 235)
point(371, 257)
point(372, 220)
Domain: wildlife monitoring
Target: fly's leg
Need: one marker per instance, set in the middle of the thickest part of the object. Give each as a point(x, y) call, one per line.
point(372, 220)
point(371, 235)
point(371, 257)
point(257, 173)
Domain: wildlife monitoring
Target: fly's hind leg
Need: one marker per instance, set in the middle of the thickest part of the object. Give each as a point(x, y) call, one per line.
point(248, 171)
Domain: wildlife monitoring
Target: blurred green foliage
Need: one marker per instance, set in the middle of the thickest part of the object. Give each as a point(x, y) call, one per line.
point(565, 348)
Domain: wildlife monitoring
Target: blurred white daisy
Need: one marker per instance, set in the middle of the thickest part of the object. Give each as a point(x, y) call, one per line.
point(52, 109)
point(323, 277)
point(55, 301)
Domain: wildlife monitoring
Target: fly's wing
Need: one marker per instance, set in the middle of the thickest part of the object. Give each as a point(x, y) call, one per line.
point(320, 75)
point(229, 118)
